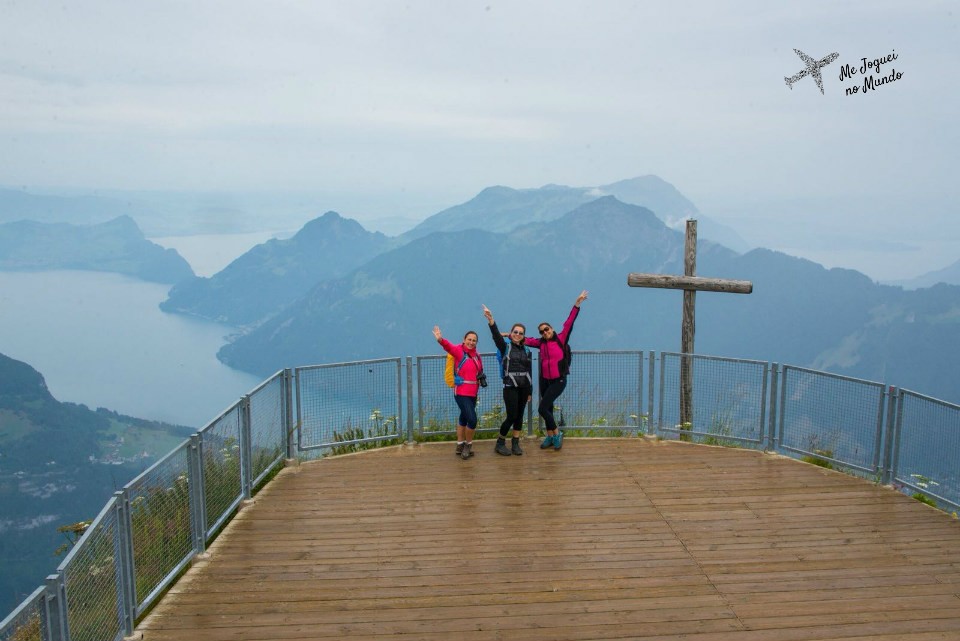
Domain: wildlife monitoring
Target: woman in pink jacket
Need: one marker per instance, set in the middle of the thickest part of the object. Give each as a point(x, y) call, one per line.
point(468, 377)
point(553, 370)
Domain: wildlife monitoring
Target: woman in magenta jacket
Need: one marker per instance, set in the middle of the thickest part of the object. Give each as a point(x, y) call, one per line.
point(467, 385)
point(553, 370)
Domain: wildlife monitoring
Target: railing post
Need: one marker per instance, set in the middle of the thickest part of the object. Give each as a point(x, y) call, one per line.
point(299, 427)
point(892, 442)
point(410, 399)
point(198, 512)
point(536, 393)
point(662, 387)
point(774, 407)
point(653, 370)
point(288, 442)
point(781, 409)
point(126, 586)
point(640, 392)
point(878, 439)
point(420, 396)
point(54, 608)
point(246, 449)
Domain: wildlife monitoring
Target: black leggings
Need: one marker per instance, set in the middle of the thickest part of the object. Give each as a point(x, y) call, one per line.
point(515, 402)
point(550, 390)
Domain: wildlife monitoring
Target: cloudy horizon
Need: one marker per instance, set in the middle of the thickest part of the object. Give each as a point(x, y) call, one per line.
point(399, 110)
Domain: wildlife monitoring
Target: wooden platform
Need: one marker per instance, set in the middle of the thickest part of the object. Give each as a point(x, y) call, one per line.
point(606, 539)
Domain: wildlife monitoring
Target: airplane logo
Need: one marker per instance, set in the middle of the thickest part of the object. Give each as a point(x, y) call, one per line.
point(813, 68)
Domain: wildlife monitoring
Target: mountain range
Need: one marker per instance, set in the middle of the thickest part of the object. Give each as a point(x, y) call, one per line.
point(799, 312)
point(501, 209)
point(270, 276)
point(281, 271)
point(949, 274)
point(117, 245)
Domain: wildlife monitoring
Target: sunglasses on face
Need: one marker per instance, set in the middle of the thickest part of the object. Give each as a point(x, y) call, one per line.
point(517, 332)
point(544, 330)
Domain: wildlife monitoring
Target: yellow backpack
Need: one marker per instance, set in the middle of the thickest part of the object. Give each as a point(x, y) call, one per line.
point(450, 371)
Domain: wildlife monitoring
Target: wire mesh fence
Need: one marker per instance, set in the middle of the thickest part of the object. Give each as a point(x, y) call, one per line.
point(267, 426)
point(222, 483)
point(160, 528)
point(28, 621)
point(928, 442)
point(149, 532)
point(436, 409)
point(831, 419)
point(348, 405)
point(603, 395)
point(729, 400)
point(91, 575)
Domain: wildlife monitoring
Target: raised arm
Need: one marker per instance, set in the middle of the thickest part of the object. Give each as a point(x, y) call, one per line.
point(574, 312)
point(444, 343)
point(494, 330)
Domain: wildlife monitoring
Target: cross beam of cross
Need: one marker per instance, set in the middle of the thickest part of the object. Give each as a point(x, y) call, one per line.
point(690, 284)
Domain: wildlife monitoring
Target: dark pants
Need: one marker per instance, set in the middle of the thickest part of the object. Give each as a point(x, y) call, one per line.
point(514, 402)
point(468, 411)
point(551, 389)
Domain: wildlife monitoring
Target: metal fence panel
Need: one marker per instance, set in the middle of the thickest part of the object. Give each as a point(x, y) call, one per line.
point(604, 393)
point(222, 482)
point(928, 446)
point(159, 505)
point(729, 399)
point(267, 424)
point(831, 418)
point(344, 404)
point(28, 621)
point(91, 574)
point(438, 412)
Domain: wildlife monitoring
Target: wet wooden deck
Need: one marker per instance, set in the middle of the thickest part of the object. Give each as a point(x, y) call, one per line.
point(607, 539)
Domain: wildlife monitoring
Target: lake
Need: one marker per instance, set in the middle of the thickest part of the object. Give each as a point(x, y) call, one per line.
point(100, 339)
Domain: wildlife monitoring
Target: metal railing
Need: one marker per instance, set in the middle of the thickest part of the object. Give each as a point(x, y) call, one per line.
point(729, 400)
point(150, 531)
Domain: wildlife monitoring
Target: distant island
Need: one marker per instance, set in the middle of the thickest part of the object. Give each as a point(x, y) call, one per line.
point(115, 246)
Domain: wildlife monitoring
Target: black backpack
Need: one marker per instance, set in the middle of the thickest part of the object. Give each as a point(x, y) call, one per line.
point(564, 365)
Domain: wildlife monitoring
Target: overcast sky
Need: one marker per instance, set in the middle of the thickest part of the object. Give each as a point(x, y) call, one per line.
point(404, 108)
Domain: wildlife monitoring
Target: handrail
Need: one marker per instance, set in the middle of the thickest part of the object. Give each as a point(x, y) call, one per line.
point(148, 534)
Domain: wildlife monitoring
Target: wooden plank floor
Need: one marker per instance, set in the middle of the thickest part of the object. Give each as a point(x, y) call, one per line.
point(607, 539)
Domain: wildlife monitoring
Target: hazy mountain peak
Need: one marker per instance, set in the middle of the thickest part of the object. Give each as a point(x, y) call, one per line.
point(949, 275)
point(331, 225)
point(123, 223)
point(18, 379)
point(501, 209)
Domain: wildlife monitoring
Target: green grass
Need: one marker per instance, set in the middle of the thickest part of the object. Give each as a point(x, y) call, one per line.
point(136, 439)
point(819, 458)
point(923, 498)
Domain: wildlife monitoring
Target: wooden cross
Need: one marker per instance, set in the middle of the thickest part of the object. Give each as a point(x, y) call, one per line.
point(690, 284)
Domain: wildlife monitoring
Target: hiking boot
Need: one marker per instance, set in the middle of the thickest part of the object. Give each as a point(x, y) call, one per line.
point(546, 442)
point(515, 447)
point(501, 448)
point(467, 451)
point(459, 449)
point(558, 440)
